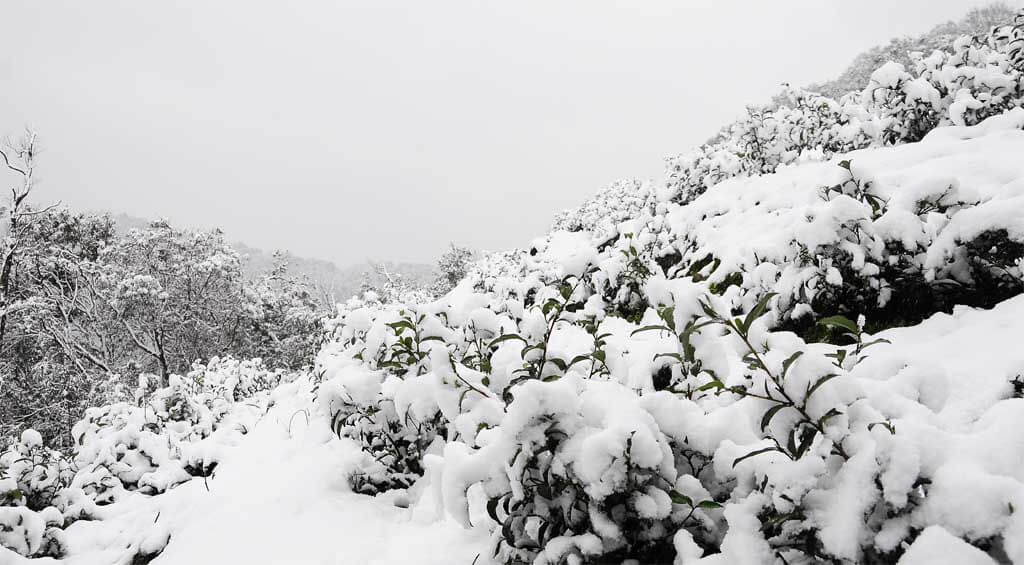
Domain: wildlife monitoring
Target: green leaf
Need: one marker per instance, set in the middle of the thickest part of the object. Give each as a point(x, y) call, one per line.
point(806, 438)
point(791, 442)
point(841, 322)
point(574, 307)
point(818, 384)
point(832, 413)
point(530, 348)
point(403, 324)
point(887, 425)
point(675, 356)
point(717, 384)
point(839, 356)
point(845, 164)
point(506, 532)
point(650, 328)
point(565, 290)
point(14, 494)
point(789, 362)
point(578, 359)
point(708, 504)
point(758, 311)
point(542, 532)
point(709, 311)
point(506, 337)
point(738, 325)
point(688, 349)
point(492, 509)
point(754, 453)
point(668, 315)
point(767, 418)
point(680, 498)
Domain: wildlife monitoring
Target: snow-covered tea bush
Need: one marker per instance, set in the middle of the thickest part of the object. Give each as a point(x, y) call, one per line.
point(33, 473)
point(977, 21)
point(169, 436)
point(976, 78)
point(612, 205)
point(173, 433)
point(702, 384)
point(31, 479)
point(394, 342)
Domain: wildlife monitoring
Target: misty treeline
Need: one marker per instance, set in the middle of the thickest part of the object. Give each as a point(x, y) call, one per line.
point(86, 308)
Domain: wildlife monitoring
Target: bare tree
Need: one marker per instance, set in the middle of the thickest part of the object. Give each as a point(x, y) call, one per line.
point(19, 157)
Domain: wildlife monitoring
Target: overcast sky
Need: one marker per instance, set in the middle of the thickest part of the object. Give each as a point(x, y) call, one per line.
point(385, 130)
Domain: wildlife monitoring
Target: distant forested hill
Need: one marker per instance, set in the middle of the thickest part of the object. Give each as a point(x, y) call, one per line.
point(334, 282)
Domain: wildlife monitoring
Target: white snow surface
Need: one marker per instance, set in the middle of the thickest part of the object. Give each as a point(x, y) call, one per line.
point(279, 497)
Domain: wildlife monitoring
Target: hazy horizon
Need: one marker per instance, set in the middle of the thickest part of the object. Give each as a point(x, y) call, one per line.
point(330, 130)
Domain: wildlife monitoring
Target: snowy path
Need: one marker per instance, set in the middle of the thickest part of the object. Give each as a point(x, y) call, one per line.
point(279, 497)
point(283, 500)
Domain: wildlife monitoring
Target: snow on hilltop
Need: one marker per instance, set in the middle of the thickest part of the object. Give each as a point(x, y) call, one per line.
point(802, 348)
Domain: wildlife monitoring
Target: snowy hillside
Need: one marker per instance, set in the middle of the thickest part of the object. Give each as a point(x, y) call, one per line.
point(802, 347)
point(285, 482)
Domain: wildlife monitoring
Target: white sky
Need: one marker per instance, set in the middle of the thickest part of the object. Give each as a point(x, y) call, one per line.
point(384, 130)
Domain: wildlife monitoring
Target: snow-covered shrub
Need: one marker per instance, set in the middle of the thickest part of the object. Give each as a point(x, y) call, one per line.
point(283, 319)
point(452, 267)
point(173, 434)
point(34, 473)
point(31, 480)
point(235, 379)
point(494, 267)
point(875, 237)
point(30, 533)
point(973, 81)
point(584, 468)
point(635, 393)
point(977, 22)
point(810, 127)
point(364, 408)
point(169, 436)
point(387, 287)
point(618, 202)
point(974, 78)
point(620, 280)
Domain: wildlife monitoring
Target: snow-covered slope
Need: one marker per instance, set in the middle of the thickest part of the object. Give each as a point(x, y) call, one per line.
point(281, 494)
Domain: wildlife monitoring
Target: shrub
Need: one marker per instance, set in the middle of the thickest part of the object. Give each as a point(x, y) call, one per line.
point(641, 395)
point(32, 478)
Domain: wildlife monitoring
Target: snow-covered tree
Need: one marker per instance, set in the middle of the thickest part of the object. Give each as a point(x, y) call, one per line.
point(91, 308)
point(452, 267)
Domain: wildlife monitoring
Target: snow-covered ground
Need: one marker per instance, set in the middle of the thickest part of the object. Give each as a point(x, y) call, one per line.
point(281, 495)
